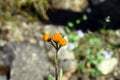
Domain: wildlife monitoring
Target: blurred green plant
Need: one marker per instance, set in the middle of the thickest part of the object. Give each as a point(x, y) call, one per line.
point(71, 24)
point(105, 23)
point(73, 36)
point(27, 8)
point(90, 52)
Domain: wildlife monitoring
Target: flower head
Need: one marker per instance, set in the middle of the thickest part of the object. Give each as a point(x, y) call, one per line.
point(63, 42)
point(56, 40)
point(107, 54)
point(46, 37)
point(56, 37)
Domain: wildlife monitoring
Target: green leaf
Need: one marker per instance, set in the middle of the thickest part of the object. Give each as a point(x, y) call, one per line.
point(61, 73)
point(76, 38)
point(67, 29)
point(75, 44)
point(50, 77)
point(81, 66)
point(84, 17)
point(102, 31)
point(70, 24)
point(71, 37)
point(88, 51)
point(78, 21)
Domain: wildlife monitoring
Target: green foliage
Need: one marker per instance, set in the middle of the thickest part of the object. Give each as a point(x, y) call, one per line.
point(94, 72)
point(93, 58)
point(88, 50)
point(93, 54)
point(91, 48)
point(81, 66)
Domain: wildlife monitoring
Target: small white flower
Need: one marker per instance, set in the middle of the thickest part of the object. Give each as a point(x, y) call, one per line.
point(80, 33)
point(107, 19)
point(107, 54)
point(71, 46)
point(89, 10)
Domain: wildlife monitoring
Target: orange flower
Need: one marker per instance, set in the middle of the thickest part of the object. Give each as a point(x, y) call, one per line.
point(63, 42)
point(56, 37)
point(46, 37)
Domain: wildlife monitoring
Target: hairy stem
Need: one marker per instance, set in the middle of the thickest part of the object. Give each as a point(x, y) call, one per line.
point(56, 65)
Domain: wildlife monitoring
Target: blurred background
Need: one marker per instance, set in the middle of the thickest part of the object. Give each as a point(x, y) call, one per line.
point(91, 27)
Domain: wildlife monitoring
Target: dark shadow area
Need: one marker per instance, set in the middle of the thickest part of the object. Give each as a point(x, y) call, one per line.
point(96, 15)
point(109, 8)
point(62, 17)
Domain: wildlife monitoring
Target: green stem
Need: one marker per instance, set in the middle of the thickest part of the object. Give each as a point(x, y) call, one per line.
point(56, 65)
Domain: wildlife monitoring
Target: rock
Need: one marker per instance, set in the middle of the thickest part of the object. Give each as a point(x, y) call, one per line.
point(52, 29)
point(74, 76)
point(115, 37)
point(2, 77)
point(20, 32)
point(31, 62)
point(107, 65)
point(73, 5)
point(67, 58)
point(6, 59)
point(6, 56)
point(67, 61)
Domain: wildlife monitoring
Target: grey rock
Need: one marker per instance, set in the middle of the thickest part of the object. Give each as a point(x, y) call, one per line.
point(6, 55)
point(6, 59)
point(30, 63)
point(3, 77)
point(52, 29)
point(66, 58)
